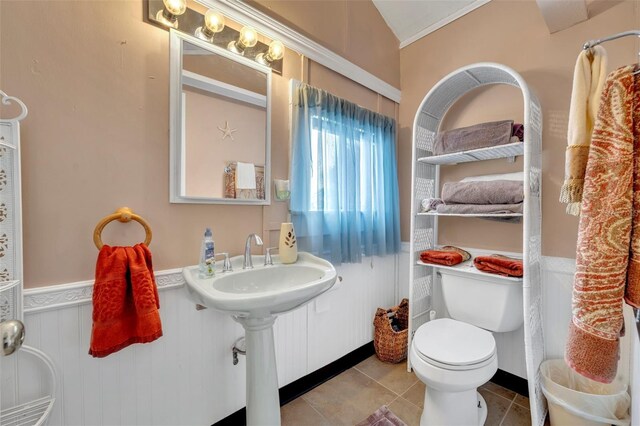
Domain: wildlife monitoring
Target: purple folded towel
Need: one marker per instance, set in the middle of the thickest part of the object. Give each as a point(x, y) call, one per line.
point(477, 136)
point(483, 192)
point(479, 208)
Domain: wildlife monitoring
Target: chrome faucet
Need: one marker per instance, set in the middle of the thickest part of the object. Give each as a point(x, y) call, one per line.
point(247, 263)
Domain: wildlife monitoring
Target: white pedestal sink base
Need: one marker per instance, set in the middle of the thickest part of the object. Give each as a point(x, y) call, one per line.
point(263, 399)
point(253, 297)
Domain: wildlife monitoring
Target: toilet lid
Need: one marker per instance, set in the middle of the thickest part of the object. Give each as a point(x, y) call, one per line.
point(455, 343)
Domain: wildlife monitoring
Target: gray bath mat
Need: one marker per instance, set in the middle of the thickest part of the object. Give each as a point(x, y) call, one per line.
point(382, 417)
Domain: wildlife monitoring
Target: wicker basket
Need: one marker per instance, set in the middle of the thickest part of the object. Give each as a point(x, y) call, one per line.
point(390, 345)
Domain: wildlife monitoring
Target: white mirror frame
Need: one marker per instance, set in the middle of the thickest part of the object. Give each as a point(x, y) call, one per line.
point(176, 154)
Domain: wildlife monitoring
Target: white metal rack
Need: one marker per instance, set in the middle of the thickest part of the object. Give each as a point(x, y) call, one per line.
point(27, 377)
point(426, 184)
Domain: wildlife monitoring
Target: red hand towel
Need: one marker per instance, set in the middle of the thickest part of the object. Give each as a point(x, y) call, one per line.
point(447, 255)
point(125, 300)
point(500, 265)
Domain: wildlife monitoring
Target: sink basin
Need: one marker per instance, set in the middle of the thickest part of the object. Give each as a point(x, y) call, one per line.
point(253, 297)
point(264, 290)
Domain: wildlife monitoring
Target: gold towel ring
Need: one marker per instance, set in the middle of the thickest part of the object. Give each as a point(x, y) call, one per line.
point(123, 214)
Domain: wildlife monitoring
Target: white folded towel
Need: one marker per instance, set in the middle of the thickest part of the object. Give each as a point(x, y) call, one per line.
point(245, 176)
point(502, 176)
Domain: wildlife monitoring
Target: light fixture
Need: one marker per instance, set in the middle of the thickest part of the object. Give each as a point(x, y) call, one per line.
point(172, 9)
point(216, 29)
point(213, 24)
point(248, 38)
point(275, 52)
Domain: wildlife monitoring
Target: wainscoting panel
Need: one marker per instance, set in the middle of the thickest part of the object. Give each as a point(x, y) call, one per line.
point(557, 275)
point(342, 320)
point(187, 376)
point(290, 332)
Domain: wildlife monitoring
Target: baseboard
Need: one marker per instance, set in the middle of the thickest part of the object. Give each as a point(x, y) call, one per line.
point(304, 384)
point(511, 382)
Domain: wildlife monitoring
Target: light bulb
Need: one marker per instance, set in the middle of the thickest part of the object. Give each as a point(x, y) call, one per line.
point(276, 50)
point(172, 9)
point(248, 37)
point(213, 23)
point(175, 7)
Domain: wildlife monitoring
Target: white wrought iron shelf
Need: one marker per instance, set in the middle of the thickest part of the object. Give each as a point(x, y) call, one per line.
point(468, 268)
point(510, 150)
point(481, 215)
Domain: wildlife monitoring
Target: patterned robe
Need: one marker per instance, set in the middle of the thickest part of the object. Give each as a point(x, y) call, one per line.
point(608, 250)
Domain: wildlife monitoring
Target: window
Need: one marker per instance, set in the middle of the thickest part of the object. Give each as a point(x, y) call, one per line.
point(344, 188)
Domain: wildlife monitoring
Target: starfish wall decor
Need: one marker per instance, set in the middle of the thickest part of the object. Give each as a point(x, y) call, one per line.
point(227, 131)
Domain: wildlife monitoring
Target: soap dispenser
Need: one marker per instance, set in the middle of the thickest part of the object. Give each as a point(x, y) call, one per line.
point(207, 255)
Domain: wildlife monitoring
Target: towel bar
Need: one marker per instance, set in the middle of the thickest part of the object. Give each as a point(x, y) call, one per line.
point(124, 215)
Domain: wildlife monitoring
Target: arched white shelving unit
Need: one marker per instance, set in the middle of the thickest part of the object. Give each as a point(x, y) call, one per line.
point(426, 184)
point(27, 377)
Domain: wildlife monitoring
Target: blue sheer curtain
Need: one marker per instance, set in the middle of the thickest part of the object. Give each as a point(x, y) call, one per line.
point(344, 180)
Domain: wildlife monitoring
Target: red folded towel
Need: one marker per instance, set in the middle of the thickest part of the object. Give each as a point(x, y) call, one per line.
point(447, 255)
point(125, 300)
point(500, 265)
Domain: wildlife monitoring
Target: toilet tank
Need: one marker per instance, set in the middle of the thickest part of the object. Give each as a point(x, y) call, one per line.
point(488, 301)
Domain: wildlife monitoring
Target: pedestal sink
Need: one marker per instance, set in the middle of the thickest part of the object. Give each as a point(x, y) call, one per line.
point(254, 297)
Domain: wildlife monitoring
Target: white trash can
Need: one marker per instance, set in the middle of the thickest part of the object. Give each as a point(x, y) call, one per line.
point(576, 400)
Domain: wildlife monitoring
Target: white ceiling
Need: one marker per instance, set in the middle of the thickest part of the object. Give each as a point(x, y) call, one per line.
point(411, 20)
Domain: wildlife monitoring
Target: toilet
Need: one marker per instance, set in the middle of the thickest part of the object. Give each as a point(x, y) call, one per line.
point(453, 356)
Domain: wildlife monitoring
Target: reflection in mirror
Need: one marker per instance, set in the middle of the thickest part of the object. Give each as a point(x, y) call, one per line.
point(220, 125)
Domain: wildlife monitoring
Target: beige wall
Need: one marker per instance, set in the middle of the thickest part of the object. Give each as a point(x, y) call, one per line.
point(352, 28)
point(95, 79)
point(512, 33)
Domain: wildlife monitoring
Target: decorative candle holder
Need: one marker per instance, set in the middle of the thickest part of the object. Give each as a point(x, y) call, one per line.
point(288, 248)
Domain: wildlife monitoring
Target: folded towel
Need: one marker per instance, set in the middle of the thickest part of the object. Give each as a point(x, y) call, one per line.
point(500, 176)
point(430, 204)
point(499, 265)
point(479, 208)
point(125, 300)
point(588, 82)
point(245, 176)
point(473, 137)
point(483, 192)
point(447, 255)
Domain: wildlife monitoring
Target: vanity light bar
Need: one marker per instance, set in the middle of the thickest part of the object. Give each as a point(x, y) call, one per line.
point(211, 27)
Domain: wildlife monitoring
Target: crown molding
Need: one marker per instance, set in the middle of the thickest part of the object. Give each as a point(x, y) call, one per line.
point(60, 296)
point(266, 25)
point(441, 23)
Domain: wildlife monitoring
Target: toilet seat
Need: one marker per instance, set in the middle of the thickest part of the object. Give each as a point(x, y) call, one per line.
point(454, 345)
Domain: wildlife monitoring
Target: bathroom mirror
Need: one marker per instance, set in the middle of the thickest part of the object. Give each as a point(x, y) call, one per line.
point(220, 125)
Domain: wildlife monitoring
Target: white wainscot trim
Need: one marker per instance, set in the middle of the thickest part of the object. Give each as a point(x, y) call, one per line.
point(63, 295)
point(77, 293)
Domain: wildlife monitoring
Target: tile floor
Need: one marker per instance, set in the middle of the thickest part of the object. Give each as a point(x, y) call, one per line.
point(356, 393)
